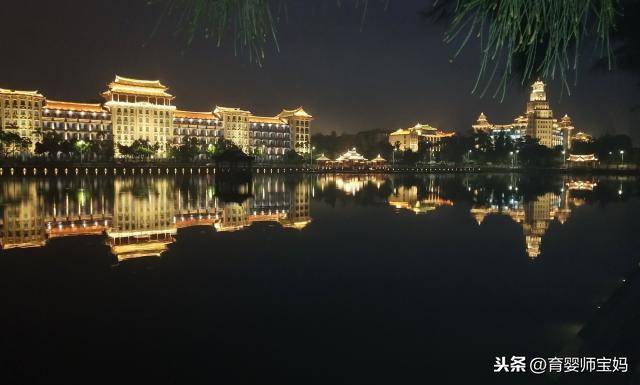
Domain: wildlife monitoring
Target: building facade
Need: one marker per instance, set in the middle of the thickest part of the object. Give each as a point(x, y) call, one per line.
point(538, 123)
point(21, 113)
point(269, 137)
point(410, 138)
point(205, 126)
point(137, 109)
point(300, 122)
point(80, 121)
point(140, 110)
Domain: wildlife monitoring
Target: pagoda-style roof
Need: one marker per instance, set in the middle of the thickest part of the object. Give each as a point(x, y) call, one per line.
point(582, 158)
point(378, 159)
point(581, 185)
point(421, 126)
point(423, 130)
point(323, 158)
point(72, 106)
point(18, 92)
point(298, 112)
point(181, 114)
point(401, 131)
point(236, 110)
point(351, 156)
point(267, 119)
point(582, 136)
point(129, 86)
point(138, 82)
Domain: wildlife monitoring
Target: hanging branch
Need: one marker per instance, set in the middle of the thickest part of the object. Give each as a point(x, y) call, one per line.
point(545, 37)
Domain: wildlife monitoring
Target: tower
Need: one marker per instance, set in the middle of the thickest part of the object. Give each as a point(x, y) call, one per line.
point(540, 122)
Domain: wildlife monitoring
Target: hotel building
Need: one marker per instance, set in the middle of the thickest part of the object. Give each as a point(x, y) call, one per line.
point(143, 109)
point(409, 138)
point(21, 113)
point(537, 122)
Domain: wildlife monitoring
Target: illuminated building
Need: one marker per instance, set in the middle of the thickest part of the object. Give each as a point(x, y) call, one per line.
point(235, 122)
point(77, 120)
point(21, 113)
point(537, 122)
point(300, 122)
point(582, 137)
point(140, 109)
point(410, 138)
point(322, 160)
point(137, 109)
point(583, 160)
point(351, 157)
point(205, 126)
point(516, 130)
point(379, 160)
point(269, 137)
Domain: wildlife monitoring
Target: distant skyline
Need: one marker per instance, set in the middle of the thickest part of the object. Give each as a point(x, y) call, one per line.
point(391, 72)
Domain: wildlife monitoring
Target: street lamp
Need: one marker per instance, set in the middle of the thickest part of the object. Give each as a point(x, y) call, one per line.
point(81, 146)
point(564, 158)
point(622, 156)
point(312, 148)
point(513, 158)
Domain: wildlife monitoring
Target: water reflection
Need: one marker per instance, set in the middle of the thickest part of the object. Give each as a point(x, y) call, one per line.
point(140, 216)
point(533, 202)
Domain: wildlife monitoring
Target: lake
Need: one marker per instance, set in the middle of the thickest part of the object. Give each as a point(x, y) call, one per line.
point(316, 279)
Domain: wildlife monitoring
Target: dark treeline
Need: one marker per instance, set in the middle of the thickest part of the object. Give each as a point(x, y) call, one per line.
point(368, 143)
point(476, 148)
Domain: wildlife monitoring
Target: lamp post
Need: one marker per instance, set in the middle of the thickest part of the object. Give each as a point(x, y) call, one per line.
point(312, 148)
point(622, 156)
point(513, 158)
point(564, 158)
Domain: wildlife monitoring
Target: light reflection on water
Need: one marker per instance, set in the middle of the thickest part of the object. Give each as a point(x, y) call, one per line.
point(377, 278)
point(141, 215)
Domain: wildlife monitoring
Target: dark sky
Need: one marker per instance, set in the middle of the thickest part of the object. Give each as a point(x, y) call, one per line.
point(391, 72)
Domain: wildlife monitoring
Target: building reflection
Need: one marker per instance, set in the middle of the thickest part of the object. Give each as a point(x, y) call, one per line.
point(534, 214)
point(22, 215)
point(409, 197)
point(140, 216)
point(350, 184)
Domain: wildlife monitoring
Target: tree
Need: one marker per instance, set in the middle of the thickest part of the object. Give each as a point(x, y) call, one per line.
point(188, 150)
point(531, 39)
point(12, 143)
point(80, 147)
point(140, 149)
point(532, 154)
point(50, 145)
point(292, 157)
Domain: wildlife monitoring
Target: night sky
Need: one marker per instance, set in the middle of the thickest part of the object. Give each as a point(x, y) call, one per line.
point(391, 72)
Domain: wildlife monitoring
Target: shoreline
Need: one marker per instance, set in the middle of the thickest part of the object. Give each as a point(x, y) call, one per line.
point(114, 169)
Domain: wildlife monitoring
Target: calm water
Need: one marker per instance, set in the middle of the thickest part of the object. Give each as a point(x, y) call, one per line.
point(330, 279)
